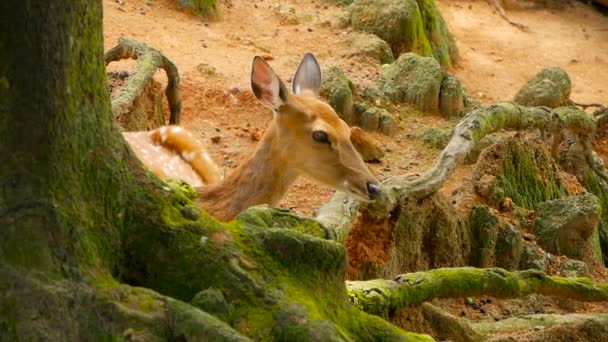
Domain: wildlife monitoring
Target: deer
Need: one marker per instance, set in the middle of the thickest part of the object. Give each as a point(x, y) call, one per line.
point(305, 137)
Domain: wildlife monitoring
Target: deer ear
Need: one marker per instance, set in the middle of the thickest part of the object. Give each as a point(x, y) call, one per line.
point(308, 76)
point(266, 85)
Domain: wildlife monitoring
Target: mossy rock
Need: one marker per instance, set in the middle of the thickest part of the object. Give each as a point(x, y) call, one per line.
point(407, 26)
point(203, 8)
point(509, 247)
point(568, 226)
point(550, 87)
point(433, 137)
point(370, 46)
point(451, 97)
point(338, 90)
point(213, 302)
point(372, 118)
point(521, 171)
point(574, 269)
point(533, 257)
point(411, 79)
point(483, 227)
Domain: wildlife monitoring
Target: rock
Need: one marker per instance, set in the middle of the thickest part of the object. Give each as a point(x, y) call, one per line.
point(338, 90)
point(365, 145)
point(412, 80)
point(574, 268)
point(509, 247)
point(523, 171)
point(534, 258)
point(370, 46)
point(568, 226)
point(550, 87)
point(451, 97)
point(372, 118)
point(434, 137)
point(483, 227)
point(213, 302)
point(407, 26)
point(481, 145)
point(285, 14)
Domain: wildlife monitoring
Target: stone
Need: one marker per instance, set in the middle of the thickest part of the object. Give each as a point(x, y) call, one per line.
point(509, 247)
point(370, 46)
point(338, 90)
point(483, 227)
point(568, 226)
point(451, 97)
point(411, 79)
point(550, 87)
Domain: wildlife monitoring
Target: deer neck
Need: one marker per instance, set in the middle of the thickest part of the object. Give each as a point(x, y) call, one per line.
point(263, 178)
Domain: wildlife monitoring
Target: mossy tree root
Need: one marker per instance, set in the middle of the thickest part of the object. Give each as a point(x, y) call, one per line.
point(149, 60)
point(383, 296)
point(338, 214)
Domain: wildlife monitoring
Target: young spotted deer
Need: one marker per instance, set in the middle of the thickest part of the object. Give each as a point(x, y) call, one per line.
point(306, 136)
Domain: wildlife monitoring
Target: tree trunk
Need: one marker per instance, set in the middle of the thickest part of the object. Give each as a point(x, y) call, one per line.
point(82, 222)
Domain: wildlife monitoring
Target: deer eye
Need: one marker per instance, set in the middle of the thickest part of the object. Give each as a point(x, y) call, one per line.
point(321, 137)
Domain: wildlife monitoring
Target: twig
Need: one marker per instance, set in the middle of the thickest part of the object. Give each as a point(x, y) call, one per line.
point(503, 14)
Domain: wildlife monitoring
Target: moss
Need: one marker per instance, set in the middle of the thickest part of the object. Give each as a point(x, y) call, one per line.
point(338, 89)
point(529, 176)
point(594, 184)
point(433, 137)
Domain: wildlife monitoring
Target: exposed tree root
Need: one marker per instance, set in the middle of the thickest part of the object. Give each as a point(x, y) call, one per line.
point(496, 4)
point(382, 296)
point(339, 213)
point(149, 60)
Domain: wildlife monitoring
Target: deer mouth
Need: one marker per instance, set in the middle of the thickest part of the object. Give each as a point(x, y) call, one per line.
point(367, 193)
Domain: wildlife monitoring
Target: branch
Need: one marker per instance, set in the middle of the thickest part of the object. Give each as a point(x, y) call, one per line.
point(503, 14)
point(149, 60)
point(382, 296)
point(472, 128)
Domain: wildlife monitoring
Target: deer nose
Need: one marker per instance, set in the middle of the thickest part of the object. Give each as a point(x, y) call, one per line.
point(373, 189)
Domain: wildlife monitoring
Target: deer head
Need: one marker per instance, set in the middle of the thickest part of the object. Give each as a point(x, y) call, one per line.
point(309, 137)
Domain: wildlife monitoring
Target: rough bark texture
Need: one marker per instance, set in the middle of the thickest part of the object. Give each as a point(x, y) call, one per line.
point(81, 218)
point(149, 60)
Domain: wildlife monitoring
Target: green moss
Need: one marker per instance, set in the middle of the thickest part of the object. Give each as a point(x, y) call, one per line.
point(529, 176)
point(434, 137)
point(594, 184)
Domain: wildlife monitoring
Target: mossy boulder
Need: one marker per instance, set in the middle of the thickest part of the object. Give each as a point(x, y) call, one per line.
point(568, 226)
point(550, 87)
point(412, 80)
point(518, 170)
point(203, 8)
point(451, 97)
point(533, 257)
point(338, 90)
point(213, 302)
point(370, 47)
point(574, 269)
point(372, 118)
point(509, 247)
point(483, 227)
point(407, 26)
